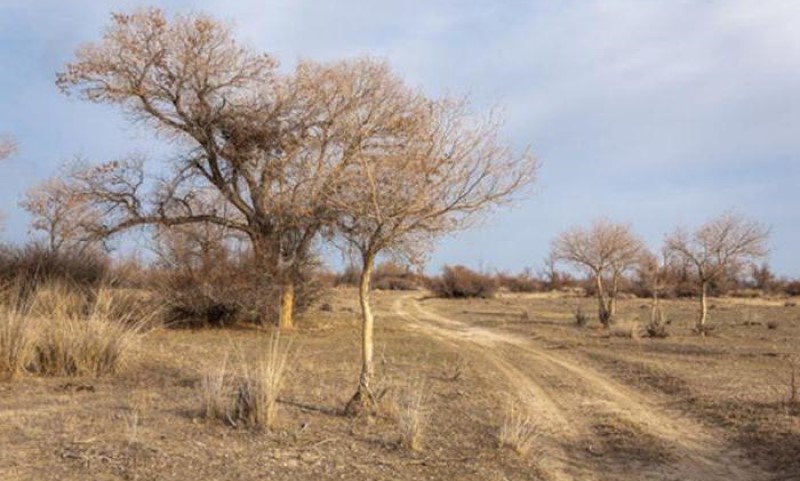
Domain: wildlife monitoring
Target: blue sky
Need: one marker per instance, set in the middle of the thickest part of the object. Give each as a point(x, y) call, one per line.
point(656, 113)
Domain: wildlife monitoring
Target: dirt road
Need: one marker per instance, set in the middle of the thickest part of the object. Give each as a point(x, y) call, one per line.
point(591, 427)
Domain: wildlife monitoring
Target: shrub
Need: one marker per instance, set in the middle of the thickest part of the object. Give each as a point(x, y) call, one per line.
point(349, 277)
point(792, 288)
point(628, 329)
point(461, 282)
point(390, 276)
point(32, 265)
point(581, 319)
point(231, 291)
point(523, 282)
point(657, 327)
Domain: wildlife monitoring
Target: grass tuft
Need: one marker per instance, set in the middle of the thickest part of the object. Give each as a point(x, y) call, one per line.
point(256, 402)
point(411, 417)
point(518, 431)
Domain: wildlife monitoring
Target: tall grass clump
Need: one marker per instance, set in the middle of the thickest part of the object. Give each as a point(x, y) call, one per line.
point(256, 401)
point(61, 331)
point(16, 342)
point(411, 416)
point(517, 432)
point(215, 399)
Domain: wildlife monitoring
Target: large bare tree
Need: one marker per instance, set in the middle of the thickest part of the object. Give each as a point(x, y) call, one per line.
point(605, 250)
point(433, 168)
point(274, 146)
point(722, 246)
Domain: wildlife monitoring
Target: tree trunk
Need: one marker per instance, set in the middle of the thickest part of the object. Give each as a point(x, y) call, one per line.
point(287, 306)
point(654, 309)
point(612, 299)
point(602, 308)
point(701, 321)
point(364, 397)
point(266, 275)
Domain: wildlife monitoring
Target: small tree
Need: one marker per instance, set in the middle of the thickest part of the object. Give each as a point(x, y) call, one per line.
point(763, 278)
point(653, 275)
point(722, 246)
point(605, 251)
point(61, 215)
point(425, 168)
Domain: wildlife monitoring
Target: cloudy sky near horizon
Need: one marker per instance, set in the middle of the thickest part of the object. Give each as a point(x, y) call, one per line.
point(655, 113)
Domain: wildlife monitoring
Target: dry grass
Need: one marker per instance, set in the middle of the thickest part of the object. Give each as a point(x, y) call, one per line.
point(411, 416)
point(16, 342)
point(256, 403)
point(57, 331)
point(626, 329)
point(214, 396)
point(518, 431)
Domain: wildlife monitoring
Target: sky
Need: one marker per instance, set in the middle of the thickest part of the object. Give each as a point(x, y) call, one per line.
point(654, 113)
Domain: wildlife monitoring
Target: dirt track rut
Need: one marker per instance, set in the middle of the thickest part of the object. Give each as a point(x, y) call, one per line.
point(591, 427)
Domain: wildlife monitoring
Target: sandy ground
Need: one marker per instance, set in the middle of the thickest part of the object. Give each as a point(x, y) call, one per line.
point(604, 406)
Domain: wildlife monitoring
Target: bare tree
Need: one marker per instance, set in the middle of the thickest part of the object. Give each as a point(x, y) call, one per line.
point(653, 272)
point(61, 215)
point(718, 248)
point(7, 147)
point(605, 251)
point(431, 168)
point(273, 146)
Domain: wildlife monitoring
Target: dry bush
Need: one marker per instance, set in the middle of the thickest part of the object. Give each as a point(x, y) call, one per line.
point(518, 431)
point(462, 282)
point(411, 416)
point(791, 287)
point(348, 277)
point(390, 276)
point(228, 292)
point(256, 402)
point(523, 282)
point(581, 319)
point(657, 327)
point(627, 329)
point(32, 265)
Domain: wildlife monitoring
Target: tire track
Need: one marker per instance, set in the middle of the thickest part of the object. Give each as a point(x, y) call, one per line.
point(592, 427)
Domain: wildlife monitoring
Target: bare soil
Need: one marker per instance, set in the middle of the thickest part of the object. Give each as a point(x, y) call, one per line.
point(605, 406)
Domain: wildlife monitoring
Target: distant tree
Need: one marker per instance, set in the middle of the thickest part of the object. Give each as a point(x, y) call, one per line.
point(7, 147)
point(605, 251)
point(426, 168)
point(554, 278)
point(763, 277)
point(721, 247)
point(654, 276)
point(61, 215)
